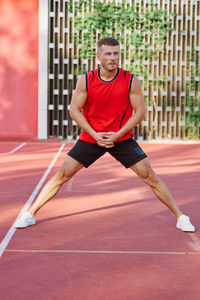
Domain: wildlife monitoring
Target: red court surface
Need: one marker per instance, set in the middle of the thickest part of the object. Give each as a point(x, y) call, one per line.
point(104, 236)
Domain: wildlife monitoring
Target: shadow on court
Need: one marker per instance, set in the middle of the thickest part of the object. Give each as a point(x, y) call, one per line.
point(104, 235)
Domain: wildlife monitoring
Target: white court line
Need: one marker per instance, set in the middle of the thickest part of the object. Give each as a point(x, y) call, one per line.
point(195, 239)
point(12, 229)
point(103, 252)
point(14, 150)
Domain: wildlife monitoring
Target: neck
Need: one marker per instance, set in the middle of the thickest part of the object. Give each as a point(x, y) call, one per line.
point(108, 75)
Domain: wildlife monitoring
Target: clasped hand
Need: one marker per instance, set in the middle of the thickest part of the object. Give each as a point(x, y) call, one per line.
point(106, 139)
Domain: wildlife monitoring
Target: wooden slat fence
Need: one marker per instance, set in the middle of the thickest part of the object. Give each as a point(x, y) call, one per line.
point(167, 115)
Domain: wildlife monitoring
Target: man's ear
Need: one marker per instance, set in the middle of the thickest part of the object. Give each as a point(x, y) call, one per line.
point(97, 55)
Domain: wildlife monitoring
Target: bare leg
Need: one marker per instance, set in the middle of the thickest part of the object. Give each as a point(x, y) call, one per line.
point(144, 171)
point(69, 168)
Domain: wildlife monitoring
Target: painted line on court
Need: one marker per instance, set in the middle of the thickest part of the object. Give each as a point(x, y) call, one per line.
point(12, 229)
point(14, 150)
point(103, 252)
point(195, 239)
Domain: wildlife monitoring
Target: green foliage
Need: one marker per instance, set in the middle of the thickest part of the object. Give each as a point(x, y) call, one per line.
point(142, 35)
point(114, 20)
point(192, 101)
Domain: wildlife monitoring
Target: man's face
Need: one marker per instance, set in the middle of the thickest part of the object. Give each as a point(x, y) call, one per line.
point(109, 57)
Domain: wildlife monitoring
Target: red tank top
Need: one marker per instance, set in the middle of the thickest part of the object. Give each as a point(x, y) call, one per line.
point(107, 107)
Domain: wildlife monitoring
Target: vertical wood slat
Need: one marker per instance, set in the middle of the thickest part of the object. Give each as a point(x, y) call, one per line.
point(163, 120)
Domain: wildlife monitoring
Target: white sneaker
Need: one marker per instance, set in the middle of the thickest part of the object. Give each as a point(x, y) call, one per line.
point(184, 224)
point(25, 220)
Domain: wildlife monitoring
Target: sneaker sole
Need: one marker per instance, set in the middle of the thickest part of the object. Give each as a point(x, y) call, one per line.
point(18, 226)
point(193, 230)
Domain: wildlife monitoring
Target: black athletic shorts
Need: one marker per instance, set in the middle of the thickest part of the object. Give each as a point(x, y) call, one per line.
point(127, 152)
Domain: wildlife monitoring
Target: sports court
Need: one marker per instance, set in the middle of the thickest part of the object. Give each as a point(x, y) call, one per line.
point(104, 236)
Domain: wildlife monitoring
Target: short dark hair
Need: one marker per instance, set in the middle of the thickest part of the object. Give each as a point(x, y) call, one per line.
point(108, 41)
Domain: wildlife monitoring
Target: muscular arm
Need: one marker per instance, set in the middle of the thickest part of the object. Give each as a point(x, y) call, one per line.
point(137, 102)
point(78, 100)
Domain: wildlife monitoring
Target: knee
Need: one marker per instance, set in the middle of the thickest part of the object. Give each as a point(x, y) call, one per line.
point(62, 176)
point(150, 178)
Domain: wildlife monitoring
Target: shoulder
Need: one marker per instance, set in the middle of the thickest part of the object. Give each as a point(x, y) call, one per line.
point(135, 81)
point(91, 74)
point(91, 77)
point(81, 83)
point(135, 84)
point(125, 74)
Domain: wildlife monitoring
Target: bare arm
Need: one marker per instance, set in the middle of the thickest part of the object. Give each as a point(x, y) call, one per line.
point(137, 102)
point(78, 100)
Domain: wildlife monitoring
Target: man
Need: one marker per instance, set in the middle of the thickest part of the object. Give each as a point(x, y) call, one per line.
point(112, 104)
